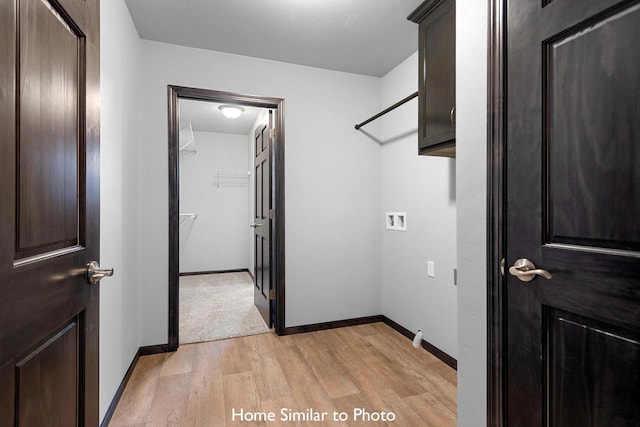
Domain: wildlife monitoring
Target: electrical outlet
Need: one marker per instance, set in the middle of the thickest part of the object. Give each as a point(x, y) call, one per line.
point(431, 269)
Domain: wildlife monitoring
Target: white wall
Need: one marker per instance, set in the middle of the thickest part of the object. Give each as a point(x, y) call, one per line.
point(332, 180)
point(471, 144)
point(119, 126)
point(334, 214)
point(260, 121)
point(424, 188)
point(217, 238)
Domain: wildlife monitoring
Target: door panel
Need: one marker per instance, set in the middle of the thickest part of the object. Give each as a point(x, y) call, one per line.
point(573, 199)
point(52, 368)
point(584, 154)
point(579, 352)
point(262, 203)
point(49, 212)
point(50, 127)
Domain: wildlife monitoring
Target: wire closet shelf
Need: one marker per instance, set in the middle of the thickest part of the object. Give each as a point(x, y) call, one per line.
point(232, 178)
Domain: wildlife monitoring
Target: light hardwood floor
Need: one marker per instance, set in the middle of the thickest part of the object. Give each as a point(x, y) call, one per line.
point(339, 370)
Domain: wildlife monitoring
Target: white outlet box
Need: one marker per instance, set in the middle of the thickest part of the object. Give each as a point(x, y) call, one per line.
point(396, 221)
point(431, 269)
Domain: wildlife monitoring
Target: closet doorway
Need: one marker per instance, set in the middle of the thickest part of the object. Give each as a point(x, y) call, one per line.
point(226, 215)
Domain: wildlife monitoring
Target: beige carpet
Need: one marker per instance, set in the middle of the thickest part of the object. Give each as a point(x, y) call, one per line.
point(218, 306)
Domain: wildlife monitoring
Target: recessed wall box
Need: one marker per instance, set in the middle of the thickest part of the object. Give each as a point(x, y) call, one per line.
point(396, 221)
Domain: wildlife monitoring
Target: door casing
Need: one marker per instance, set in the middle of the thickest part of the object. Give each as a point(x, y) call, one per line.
point(496, 227)
point(278, 241)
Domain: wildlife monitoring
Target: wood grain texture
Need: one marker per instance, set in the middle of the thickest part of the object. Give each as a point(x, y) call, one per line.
point(49, 130)
point(169, 405)
point(50, 192)
point(333, 324)
point(53, 366)
point(583, 389)
point(436, 77)
point(496, 181)
point(594, 153)
point(367, 366)
point(262, 232)
point(140, 391)
point(571, 195)
point(203, 406)
point(425, 344)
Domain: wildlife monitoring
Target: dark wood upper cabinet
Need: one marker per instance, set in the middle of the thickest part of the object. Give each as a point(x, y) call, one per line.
point(437, 77)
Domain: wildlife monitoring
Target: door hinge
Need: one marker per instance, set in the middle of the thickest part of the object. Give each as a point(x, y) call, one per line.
point(272, 213)
point(272, 294)
point(272, 133)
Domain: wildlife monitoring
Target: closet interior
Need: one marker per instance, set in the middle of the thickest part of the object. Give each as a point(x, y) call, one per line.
point(216, 242)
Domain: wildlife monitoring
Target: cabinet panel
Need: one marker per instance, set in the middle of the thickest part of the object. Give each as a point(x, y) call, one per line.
point(437, 69)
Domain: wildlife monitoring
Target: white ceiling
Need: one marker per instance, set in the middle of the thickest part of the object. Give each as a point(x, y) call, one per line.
point(367, 37)
point(206, 117)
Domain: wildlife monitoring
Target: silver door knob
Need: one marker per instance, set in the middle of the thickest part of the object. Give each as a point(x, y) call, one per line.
point(95, 273)
point(526, 271)
point(255, 225)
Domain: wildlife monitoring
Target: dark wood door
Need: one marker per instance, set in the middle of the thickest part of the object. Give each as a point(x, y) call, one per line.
point(262, 221)
point(573, 209)
point(49, 212)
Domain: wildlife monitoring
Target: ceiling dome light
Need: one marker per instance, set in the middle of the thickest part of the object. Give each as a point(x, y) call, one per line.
point(231, 111)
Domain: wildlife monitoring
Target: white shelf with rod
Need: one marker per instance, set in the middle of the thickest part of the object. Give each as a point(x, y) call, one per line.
point(232, 178)
point(184, 217)
point(187, 139)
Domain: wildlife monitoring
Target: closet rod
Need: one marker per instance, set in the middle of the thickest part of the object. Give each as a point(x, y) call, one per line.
point(383, 112)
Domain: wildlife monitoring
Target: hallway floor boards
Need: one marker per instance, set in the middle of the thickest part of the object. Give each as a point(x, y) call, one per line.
point(368, 366)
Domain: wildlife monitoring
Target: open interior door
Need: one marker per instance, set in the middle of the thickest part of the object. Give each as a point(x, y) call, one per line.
point(262, 174)
point(49, 212)
point(573, 210)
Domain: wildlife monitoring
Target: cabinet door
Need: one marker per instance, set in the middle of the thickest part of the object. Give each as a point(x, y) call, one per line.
point(437, 87)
